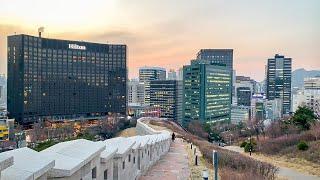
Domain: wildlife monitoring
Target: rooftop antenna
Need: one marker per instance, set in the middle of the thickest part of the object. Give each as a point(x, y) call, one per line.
point(40, 30)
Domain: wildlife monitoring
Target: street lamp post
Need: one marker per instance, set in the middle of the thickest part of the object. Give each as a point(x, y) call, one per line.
point(250, 148)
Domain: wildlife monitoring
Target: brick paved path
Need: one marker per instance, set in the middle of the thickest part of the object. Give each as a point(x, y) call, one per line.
point(172, 166)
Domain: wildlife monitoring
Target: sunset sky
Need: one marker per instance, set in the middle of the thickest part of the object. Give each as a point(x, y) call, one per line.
point(169, 33)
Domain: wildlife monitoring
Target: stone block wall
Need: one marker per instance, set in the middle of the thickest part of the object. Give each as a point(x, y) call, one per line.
point(123, 159)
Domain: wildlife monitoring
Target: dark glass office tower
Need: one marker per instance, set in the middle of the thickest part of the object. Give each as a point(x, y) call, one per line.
point(54, 79)
point(167, 94)
point(207, 92)
point(219, 56)
point(147, 74)
point(244, 96)
point(279, 81)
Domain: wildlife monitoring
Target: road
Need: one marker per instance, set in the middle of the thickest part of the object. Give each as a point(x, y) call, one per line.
point(289, 173)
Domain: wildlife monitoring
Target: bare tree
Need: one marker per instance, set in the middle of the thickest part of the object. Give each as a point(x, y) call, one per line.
point(315, 130)
point(257, 125)
point(195, 127)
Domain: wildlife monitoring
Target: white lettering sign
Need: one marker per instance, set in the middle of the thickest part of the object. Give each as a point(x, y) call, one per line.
point(76, 46)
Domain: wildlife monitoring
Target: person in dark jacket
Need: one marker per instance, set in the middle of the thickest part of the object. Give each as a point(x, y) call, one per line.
point(173, 136)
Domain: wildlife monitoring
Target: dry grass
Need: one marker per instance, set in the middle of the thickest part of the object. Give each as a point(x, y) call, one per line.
point(233, 165)
point(298, 164)
point(283, 151)
point(196, 171)
point(312, 154)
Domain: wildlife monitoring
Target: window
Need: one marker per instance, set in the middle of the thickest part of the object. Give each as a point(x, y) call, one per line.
point(134, 160)
point(123, 164)
point(105, 174)
point(129, 158)
point(94, 172)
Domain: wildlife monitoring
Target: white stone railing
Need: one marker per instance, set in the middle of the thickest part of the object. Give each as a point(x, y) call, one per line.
point(144, 129)
point(117, 158)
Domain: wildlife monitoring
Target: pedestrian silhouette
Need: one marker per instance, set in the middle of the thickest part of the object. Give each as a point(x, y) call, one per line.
point(173, 136)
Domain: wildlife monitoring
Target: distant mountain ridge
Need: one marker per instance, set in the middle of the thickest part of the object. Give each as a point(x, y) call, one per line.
point(299, 74)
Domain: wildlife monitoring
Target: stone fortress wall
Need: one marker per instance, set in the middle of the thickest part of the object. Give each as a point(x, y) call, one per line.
point(113, 159)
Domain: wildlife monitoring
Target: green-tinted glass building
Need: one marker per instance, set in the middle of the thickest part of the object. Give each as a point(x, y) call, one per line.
point(207, 92)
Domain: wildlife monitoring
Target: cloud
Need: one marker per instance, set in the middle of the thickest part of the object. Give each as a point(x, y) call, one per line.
point(169, 33)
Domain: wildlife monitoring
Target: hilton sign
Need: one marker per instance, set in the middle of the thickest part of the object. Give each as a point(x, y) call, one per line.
point(76, 46)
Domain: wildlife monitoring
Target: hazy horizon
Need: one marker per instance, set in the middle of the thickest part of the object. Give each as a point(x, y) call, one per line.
point(170, 33)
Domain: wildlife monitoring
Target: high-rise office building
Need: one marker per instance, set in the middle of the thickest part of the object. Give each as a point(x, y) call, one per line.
point(279, 81)
point(207, 92)
point(312, 83)
point(240, 114)
point(54, 79)
point(219, 56)
point(172, 75)
point(135, 92)
point(308, 96)
point(180, 74)
point(167, 95)
point(3, 90)
point(243, 96)
point(257, 111)
point(147, 74)
point(273, 109)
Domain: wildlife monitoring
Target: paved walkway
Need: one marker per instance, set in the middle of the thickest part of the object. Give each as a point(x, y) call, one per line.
point(172, 166)
point(289, 173)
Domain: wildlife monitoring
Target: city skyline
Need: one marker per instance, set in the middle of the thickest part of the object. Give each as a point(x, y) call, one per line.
point(159, 34)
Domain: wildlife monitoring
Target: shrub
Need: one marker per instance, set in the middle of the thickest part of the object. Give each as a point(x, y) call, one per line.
point(276, 145)
point(302, 146)
point(248, 146)
point(243, 144)
point(44, 145)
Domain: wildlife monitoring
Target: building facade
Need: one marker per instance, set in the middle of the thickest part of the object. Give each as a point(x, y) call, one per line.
point(3, 90)
point(273, 109)
point(136, 92)
point(180, 74)
point(138, 111)
point(168, 96)
point(172, 75)
point(147, 74)
point(240, 114)
point(207, 92)
point(51, 78)
point(257, 109)
point(278, 82)
point(219, 56)
point(243, 96)
point(308, 96)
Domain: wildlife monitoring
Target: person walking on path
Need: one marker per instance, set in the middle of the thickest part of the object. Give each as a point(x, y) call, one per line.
point(173, 136)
